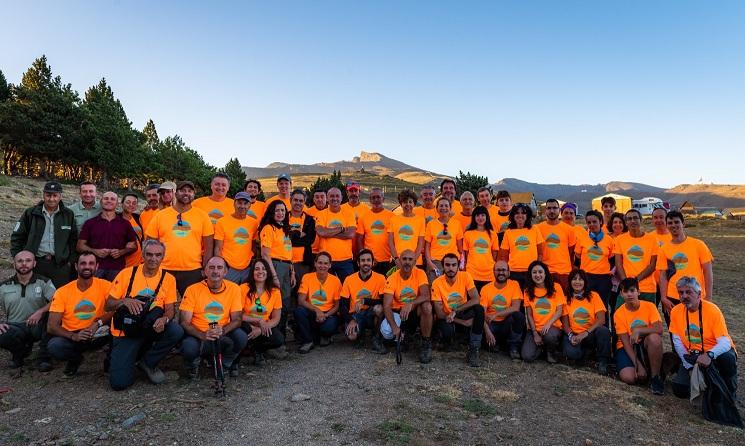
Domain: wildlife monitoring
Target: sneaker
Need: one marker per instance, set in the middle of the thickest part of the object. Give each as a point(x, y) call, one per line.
point(192, 372)
point(259, 360)
point(603, 367)
point(71, 368)
point(657, 385)
point(277, 353)
point(378, 347)
point(425, 352)
point(44, 365)
point(325, 341)
point(305, 348)
point(514, 355)
point(550, 358)
point(154, 374)
point(473, 356)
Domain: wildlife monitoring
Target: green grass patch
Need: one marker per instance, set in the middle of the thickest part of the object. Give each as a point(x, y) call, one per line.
point(443, 398)
point(396, 431)
point(337, 427)
point(478, 407)
point(4, 181)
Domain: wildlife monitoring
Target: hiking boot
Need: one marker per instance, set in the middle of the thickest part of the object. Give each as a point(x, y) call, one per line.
point(192, 373)
point(305, 348)
point(657, 386)
point(550, 358)
point(259, 360)
point(154, 374)
point(603, 367)
point(16, 362)
point(277, 353)
point(425, 352)
point(514, 355)
point(71, 368)
point(473, 356)
point(359, 343)
point(233, 370)
point(325, 341)
point(378, 347)
point(44, 365)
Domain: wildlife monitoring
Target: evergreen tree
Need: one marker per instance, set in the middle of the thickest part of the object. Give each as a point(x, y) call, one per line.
point(150, 135)
point(4, 88)
point(469, 182)
point(326, 183)
point(237, 176)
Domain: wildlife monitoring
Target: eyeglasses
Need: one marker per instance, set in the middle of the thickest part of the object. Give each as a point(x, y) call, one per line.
point(444, 229)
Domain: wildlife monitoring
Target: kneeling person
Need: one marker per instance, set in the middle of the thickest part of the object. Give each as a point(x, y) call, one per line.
point(318, 303)
point(211, 317)
point(503, 320)
point(362, 302)
point(262, 310)
point(147, 350)
point(457, 303)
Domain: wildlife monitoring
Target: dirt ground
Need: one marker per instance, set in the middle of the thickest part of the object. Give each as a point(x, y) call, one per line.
point(356, 397)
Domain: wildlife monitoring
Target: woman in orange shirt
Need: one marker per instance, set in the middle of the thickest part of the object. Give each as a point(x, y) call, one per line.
point(595, 251)
point(276, 249)
point(544, 304)
point(521, 244)
point(616, 225)
point(262, 310)
point(441, 236)
point(480, 247)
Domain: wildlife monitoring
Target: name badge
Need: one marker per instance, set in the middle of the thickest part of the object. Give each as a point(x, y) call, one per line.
point(65, 228)
point(38, 290)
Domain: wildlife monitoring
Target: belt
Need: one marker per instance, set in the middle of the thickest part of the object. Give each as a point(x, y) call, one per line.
point(289, 262)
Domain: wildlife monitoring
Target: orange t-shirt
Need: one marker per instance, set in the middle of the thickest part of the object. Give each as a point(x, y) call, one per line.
point(358, 211)
point(183, 241)
point(236, 236)
point(557, 240)
point(455, 207)
point(595, 258)
point(80, 308)
point(321, 295)
point(339, 249)
point(215, 209)
point(355, 289)
point(441, 243)
point(207, 307)
point(452, 296)
point(279, 244)
point(662, 239)
point(500, 222)
point(263, 306)
point(427, 214)
point(296, 224)
point(713, 322)
point(465, 220)
point(313, 212)
point(143, 286)
point(479, 247)
point(146, 216)
point(637, 253)
point(687, 259)
point(256, 210)
point(582, 314)
point(495, 299)
point(405, 291)
point(374, 228)
point(543, 307)
point(135, 258)
point(287, 202)
point(522, 245)
point(406, 232)
point(625, 320)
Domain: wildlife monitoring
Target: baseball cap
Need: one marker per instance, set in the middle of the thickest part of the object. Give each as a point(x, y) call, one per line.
point(53, 186)
point(181, 184)
point(242, 196)
point(284, 176)
point(353, 185)
point(170, 185)
point(152, 186)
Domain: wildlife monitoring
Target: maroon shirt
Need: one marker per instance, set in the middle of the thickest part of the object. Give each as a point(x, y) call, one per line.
point(100, 233)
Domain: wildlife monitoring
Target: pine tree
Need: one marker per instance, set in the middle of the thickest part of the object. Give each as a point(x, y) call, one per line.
point(236, 174)
point(469, 182)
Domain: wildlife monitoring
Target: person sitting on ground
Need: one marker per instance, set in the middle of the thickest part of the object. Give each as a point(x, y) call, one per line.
point(76, 315)
point(262, 310)
point(457, 303)
point(584, 322)
point(639, 329)
point(146, 351)
point(318, 303)
point(407, 305)
point(544, 304)
point(210, 314)
point(362, 302)
point(504, 322)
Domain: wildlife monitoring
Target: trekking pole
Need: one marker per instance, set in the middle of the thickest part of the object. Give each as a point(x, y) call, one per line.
point(217, 365)
point(399, 356)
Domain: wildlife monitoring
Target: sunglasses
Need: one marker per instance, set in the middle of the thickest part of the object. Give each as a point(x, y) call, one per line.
point(259, 307)
point(179, 221)
point(444, 229)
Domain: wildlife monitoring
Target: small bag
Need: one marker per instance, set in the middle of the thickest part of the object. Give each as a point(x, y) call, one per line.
point(138, 325)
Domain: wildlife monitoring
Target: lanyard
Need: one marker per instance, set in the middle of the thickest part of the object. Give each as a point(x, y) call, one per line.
point(700, 326)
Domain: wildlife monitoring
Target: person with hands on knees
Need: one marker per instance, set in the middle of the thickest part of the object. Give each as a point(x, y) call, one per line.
point(262, 310)
point(639, 329)
point(504, 322)
point(361, 304)
point(318, 303)
point(210, 314)
point(544, 304)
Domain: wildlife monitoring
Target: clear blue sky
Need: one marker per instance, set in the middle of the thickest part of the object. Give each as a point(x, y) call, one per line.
point(556, 91)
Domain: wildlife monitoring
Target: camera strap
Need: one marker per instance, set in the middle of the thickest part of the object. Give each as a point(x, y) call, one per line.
point(131, 281)
point(700, 325)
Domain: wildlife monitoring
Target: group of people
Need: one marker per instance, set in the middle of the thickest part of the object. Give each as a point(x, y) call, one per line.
point(237, 275)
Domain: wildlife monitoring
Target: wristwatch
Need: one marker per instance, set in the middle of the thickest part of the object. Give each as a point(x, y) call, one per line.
point(711, 355)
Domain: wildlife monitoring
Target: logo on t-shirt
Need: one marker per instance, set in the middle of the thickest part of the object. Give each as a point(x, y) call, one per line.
point(694, 334)
point(213, 311)
point(553, 241)
point(241, 236)
point(581, 316)
point(504, 226)
point(455, 300)
point(215, 214)
point(336, 224)
point(595, 252)
point(428, 219)
point(635, 253)
point(499, 303)
point(405, 233)
point(543, 306)
point(638, 323)
point(443, 239)
point(407, 295)
point(522, 243)
point(251, 213)
point(181, 230)
point(84, 310)
point(680, 260)
point(318, 298)
point(364, 293)
point(481, 246)
point(377, 227)
point(287, 243)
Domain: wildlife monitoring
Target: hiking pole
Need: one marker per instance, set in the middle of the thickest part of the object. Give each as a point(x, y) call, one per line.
point(399, 356)
point(217, 365)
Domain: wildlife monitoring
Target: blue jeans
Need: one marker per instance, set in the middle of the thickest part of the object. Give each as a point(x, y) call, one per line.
point(365, 319)
point(229, 345)
point(511, 330)
point(64, 349)
point(599, 340)
point(152, 349)
point(726, 364)
point(309, 330)
point(342, 269)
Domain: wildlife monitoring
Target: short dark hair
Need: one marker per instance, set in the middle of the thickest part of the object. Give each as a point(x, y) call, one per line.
point(87, 183)
point(635, 211)
point(446, 181)
point(251, 180)
point(660, 208)
point(321, 254)
point(130, 194)
point(675, 214)
point(319, 191)
point(552, 200)
point(482, 189)
point(221, 175)
point(594, 213)
point(450, 255)
point(298, 191)
point(405, 195)
point(503, 194)
point(628, 283)
point(365, 251)
point(88, 253)
point(610, 200)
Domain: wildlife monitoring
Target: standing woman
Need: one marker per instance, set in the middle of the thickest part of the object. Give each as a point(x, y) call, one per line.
point(522, 243)
point(262, 310)
point(480, 247)
point(544, 304)
point(276, 250)
point(595, 250)
point(443, 235)
point(129, 209)
point(467, 202)
point(584, 322)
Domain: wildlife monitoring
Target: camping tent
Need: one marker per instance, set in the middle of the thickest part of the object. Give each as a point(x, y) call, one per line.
point(623, 203)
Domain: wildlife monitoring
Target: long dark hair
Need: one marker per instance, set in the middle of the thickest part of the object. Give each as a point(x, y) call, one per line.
point(585, 288)
point(548, 282)
point(528, 216)
point(268, 283)
point(268, 218)
point(479, 210)
point(614, 216)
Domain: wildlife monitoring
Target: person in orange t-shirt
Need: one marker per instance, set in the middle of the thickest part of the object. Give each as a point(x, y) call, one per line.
point(151, 208)
point(443, 235)
point(544, 304)
point(584, 322)
point(284, 188)
point(129, 207)
point(210, 314)
point(636, 256)
point(78, 321)
point(480, 248)
point(302, 236)
point(217, 205)
point(522, 243)
point(457, 303)
point(234, 234)
point(406, 231)
point(447, 190)
point(372, 231)
point(501, 220)
point(483, 198)
point(558, 246)
point(276, 249)
point(595, 249)
point(428, 209)
point(262, 311)
point(336, 228)
point(361, 304)
point(150, 280)
point(256, 209)
point(504, 323)
point(700, 336)
point(318, 303)
point(639, 329)
point(468, 203)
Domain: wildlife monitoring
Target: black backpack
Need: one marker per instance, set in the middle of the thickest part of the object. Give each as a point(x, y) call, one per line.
point(138, 325)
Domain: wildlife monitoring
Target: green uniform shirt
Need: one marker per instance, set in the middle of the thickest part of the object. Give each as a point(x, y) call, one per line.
point(83, 214)
point(18, 302)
